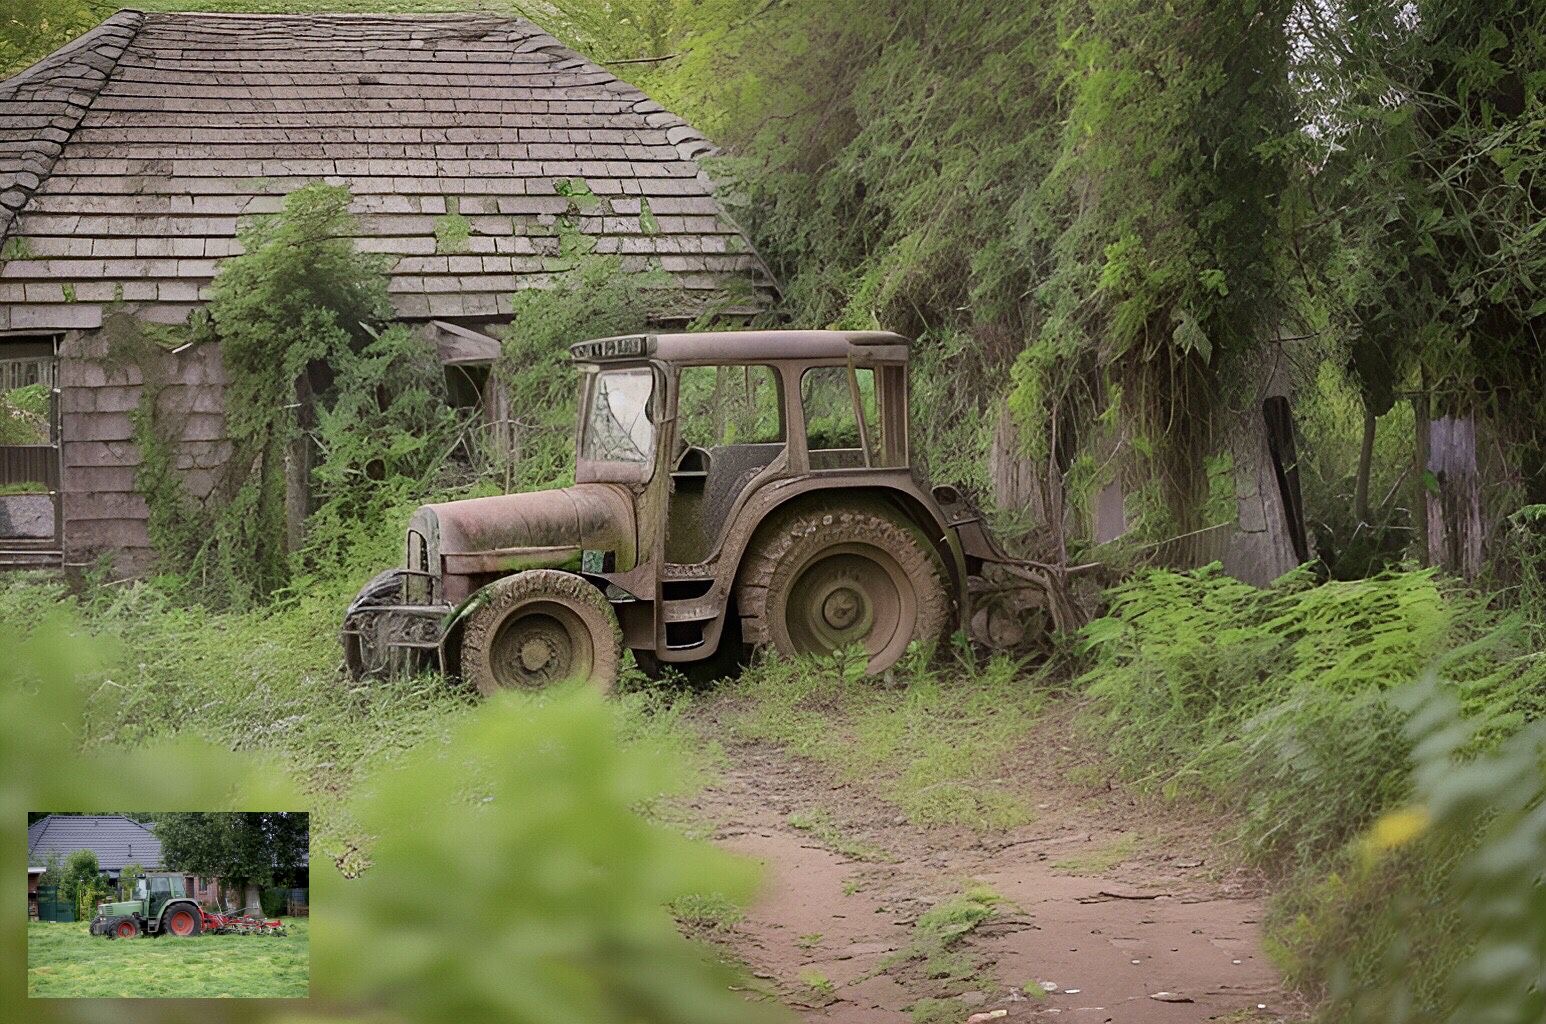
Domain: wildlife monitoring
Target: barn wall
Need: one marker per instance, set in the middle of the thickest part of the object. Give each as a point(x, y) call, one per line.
point(102, 511)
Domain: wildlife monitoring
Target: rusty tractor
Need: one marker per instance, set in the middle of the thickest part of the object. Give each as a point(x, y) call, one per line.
point(733, 490)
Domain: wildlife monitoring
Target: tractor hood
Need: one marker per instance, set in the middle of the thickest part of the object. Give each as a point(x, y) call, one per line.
point(120, 909)
point(456, 540)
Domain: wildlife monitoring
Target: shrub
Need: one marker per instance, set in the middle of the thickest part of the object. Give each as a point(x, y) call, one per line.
point(1274, 703)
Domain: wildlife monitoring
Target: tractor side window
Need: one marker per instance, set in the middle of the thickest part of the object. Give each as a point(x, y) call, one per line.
point(725, 405)
point(833, 402)
point(618, 427)
point(161, 885)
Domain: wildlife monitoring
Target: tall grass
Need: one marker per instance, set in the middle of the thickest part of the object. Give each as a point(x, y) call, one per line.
point(933, 740)
point(1289, 709)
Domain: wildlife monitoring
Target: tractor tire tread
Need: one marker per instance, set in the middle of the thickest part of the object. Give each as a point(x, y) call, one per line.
point(778, 545)
point(589, 603)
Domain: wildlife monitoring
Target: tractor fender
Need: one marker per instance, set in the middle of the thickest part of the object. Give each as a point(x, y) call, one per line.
point(191, 904)
point(781, 496)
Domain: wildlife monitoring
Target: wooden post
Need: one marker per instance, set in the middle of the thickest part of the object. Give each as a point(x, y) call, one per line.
point(1453, 496)
point(1268, 537)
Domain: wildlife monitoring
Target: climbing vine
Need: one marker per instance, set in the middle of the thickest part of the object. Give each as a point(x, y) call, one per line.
point(324, 406)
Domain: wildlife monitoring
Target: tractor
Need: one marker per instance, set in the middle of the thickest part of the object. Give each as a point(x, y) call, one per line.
point(159, 907)
point(733, 490)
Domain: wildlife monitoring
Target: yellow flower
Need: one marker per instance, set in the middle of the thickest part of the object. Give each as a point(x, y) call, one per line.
point(1395, 829)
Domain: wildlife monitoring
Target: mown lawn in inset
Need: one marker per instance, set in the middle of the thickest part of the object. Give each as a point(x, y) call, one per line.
point(65, 961)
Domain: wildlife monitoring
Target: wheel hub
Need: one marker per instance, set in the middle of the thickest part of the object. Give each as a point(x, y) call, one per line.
point(534, 650)
point(842, 607)
point(535, 654)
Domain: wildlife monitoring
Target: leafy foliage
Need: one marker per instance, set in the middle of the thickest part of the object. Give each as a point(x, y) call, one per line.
point(241, 848)
point(581, 930)
point(313, 378)
point(1276, 703)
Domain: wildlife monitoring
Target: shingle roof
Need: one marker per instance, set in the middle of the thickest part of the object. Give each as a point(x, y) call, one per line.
point(116, 840)
point(133, 152)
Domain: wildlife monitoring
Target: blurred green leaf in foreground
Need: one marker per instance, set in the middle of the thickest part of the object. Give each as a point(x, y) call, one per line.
point(511, 877)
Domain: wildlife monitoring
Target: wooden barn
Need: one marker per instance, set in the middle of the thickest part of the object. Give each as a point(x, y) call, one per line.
point(128, 158)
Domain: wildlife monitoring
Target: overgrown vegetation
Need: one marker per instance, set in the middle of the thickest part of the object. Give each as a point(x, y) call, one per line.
point(1288, 708)
point(1120, 219)
point(316, 379)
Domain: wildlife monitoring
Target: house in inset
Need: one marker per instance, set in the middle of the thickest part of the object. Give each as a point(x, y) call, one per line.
point(129, 157)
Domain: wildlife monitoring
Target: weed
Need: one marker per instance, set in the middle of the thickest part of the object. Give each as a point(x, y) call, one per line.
point(937, 1011)
point(714, 912)
point(937, 932)
point(851, 886)
point(1099, 860)
point(1033, 990)
point(818, 983)
point(452, 230)
point(821, 826)
point(810, 941)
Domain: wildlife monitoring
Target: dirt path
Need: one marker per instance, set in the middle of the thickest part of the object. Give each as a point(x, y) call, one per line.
point(1104, 921)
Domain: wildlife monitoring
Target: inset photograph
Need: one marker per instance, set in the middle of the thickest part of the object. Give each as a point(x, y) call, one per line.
point(168, 905)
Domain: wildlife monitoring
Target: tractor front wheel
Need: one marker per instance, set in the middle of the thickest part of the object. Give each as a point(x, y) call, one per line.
point(539, 628)
point(125, 929)
point(825, 578)
point(182, 922)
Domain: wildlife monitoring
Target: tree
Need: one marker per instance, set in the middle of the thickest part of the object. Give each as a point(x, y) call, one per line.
point(244, 849)
point(1429, 119)
point(82, 884)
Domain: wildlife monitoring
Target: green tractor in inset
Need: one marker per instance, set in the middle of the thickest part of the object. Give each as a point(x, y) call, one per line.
point(160, 907)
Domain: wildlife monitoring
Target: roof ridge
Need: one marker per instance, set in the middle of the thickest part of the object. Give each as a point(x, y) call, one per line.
point(63, 85)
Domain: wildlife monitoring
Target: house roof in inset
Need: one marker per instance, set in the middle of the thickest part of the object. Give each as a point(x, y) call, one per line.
point(115, 839)
point(129, 157)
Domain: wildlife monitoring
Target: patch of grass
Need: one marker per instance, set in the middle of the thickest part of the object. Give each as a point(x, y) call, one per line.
point(708, 912)
point(821, 826)
point(852, 885)
point(810, 941)
point(1101, 859)
point(937, 1011)
point(819, 984)
point(936, 745)
point(64, 961)
point(1033, 990)
point(937, 932)
point(452, 230)
point(23, 487)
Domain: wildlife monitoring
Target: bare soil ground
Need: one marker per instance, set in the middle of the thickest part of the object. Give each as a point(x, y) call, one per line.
point(1112, 908)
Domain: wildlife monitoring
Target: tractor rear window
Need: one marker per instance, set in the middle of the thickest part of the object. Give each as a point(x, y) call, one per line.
point(618, 427)
point(832, 401)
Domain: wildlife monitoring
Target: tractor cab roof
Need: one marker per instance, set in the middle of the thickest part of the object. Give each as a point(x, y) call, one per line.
point(743, 346)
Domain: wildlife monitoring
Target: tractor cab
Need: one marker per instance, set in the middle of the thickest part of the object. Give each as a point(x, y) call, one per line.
point(154, 891)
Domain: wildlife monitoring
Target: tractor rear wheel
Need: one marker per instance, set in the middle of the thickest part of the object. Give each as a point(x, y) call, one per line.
point(539, 628)
point(125, 929)
point(825, 578)
point(181, 921)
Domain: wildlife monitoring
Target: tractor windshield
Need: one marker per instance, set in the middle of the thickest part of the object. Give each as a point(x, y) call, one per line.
point(618, 427)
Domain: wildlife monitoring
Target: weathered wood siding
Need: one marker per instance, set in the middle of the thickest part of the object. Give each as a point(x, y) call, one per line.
point(102, 510)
